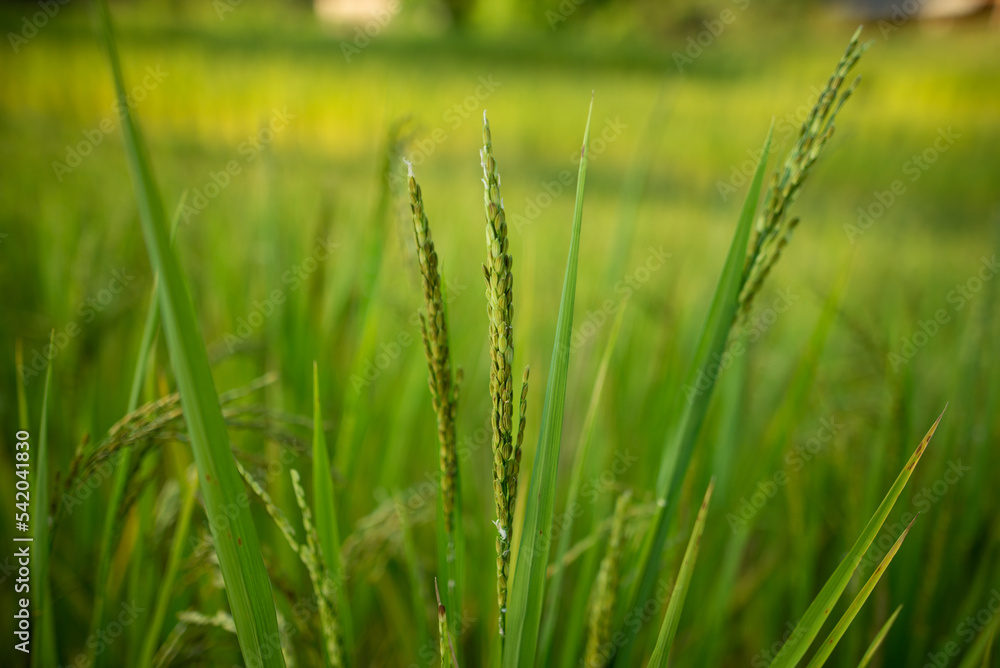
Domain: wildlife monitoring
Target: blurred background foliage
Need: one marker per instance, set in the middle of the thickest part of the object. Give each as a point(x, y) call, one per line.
point(678, 125)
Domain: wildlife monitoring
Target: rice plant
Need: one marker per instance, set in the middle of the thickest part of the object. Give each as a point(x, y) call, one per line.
point(613, 549)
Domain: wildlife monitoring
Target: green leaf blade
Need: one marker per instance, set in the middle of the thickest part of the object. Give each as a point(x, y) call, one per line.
point(689, 411)
point(809, 626)
point(234, 535)
point(576, 478)
point(877, 640)
point(823, 653)
point(528, 591)
point(673, 615)
point(46, 653)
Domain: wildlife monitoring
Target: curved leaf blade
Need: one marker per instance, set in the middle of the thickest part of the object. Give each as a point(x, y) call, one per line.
point(809, 626)
point(823, 653)
point(877, 640)
point(234, 535)
point(689, 411)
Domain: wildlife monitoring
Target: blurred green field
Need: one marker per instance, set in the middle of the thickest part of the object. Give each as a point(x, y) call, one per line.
point(305, 253)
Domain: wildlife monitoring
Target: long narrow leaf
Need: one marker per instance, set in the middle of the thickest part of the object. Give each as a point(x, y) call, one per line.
point(582, 455)
point(693, 399)
point(823, 653)
point(528, 590)
point(877, 640)
point(673, 615)
point(233, 533)
point(45, 653)
point(808, 627)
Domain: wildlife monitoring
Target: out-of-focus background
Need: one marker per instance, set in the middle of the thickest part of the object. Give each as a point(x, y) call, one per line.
point(276, 131)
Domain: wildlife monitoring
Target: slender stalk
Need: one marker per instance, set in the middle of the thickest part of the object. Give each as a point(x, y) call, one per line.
point(45, 651)
point(327, 528)
point(166, 585)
